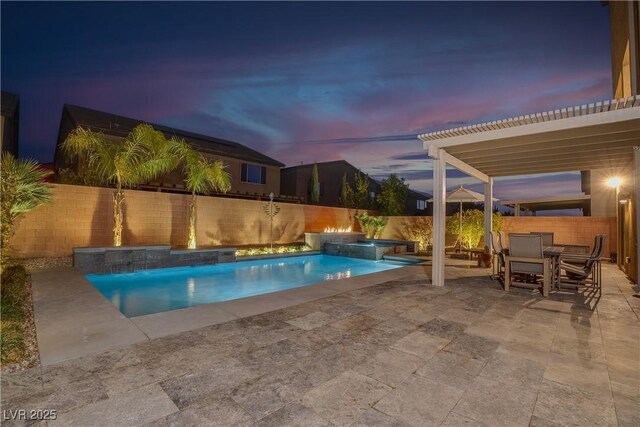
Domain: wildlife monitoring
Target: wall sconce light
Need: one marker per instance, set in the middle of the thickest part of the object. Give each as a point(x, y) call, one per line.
point(614, 182)
point(623, 198)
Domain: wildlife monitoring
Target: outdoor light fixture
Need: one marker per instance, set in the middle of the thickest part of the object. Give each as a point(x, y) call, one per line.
point(623, 198)
point(614, 181)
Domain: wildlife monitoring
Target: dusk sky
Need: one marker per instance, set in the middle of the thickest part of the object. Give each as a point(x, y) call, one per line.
point(306, 82)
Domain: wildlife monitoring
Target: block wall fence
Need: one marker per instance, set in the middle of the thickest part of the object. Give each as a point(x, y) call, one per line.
point(566, 229)
point(83, 216)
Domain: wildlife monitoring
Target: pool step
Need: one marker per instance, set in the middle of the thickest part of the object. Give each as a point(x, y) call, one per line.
point(405, 258)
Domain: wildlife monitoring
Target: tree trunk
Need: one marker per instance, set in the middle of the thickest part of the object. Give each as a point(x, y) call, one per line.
point(118, 202)
point(191, 244)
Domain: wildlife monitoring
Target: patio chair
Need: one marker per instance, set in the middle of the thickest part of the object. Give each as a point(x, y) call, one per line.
point(451, 244)
point(525, 260)
point(584, 270)
point(498, 257)
point(502, 238)
point(547, 238)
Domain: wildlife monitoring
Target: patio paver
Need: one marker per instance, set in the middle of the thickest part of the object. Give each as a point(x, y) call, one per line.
point(397, 353)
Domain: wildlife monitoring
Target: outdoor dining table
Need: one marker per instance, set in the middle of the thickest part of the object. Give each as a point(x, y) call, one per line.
point(554, 253)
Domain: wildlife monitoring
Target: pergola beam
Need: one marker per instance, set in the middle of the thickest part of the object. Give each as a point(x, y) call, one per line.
point(510, 129)
point(567, 166)
point(627, 131)
point(518, 153)
point(552, 158)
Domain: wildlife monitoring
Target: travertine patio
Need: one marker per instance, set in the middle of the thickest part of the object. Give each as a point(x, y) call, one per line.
point(400, 353)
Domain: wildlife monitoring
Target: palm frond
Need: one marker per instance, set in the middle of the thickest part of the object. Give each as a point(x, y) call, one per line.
point(22, 184)
point(219, 179)
point(92, 146)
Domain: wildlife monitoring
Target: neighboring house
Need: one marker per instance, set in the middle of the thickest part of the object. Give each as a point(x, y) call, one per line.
point(9, 123)
point(252, 173)
point(296, 181)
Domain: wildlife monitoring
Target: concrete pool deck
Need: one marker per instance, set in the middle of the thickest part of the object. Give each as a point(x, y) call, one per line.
point(400, 353)
point(74, 319)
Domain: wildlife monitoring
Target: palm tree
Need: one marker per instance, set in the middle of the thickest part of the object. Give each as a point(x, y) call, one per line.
point(143, 155)
point(202, 175)
point(315, 185)
point(23, 189)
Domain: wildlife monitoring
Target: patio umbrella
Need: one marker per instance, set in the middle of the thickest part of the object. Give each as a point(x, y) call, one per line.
point(464, 195)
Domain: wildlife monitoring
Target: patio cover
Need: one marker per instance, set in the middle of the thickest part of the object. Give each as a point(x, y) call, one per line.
point(591, 136)
point(577, 201)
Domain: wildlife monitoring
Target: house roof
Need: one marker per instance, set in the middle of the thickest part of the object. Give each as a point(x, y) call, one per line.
point(416, 194)
point(309, 165)
point(9, 103)
point(113, 124)
point(590, 136)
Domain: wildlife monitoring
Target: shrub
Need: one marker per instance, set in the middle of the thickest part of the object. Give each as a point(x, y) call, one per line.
point(15, 313)
point(68, 176)
point(393, 195)
point(23, 188)
point(419, 229)
point(371, 225)
point(472, 226)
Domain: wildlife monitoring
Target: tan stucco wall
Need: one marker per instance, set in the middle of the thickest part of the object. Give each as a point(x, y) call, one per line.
point(82, 216)
point(625, 68)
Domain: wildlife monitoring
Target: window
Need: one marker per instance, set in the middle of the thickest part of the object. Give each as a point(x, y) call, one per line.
point(254, 174)
point(422, 205)
point(373, 195)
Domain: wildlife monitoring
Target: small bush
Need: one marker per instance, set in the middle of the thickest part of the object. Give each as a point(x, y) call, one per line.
point(15, 314)
point(472, 226)
point(371, 225)
point(419, 229)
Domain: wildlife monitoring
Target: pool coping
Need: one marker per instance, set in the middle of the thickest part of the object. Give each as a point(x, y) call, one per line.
point(73, 319)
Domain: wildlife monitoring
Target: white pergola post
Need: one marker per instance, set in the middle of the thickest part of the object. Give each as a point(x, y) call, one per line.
point(439, 216)
point(440, 161)
point(488, 212)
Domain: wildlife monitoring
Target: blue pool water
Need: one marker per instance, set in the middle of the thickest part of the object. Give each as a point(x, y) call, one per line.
point(154, 291)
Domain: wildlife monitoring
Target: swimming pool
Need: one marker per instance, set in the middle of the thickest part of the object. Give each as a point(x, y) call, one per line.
point(154, 291)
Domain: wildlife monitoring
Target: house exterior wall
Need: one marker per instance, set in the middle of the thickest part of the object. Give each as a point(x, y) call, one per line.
point(603, 197)
point(175, 179)
point(625, 77)
point(9, 133)
point(625, 46)
point(295, 181)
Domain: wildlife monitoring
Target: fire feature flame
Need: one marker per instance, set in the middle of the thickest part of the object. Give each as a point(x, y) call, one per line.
point(337, 230)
